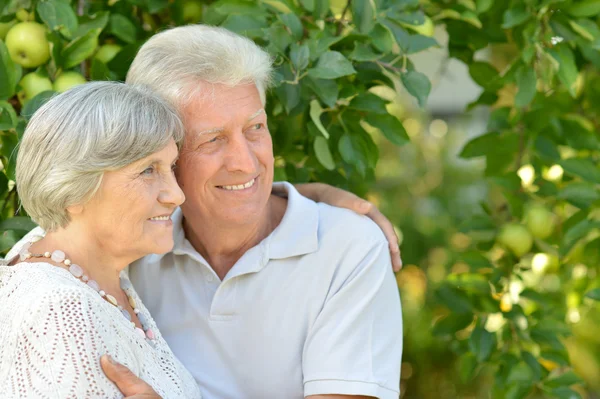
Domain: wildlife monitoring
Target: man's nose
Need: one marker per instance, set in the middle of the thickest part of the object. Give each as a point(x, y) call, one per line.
point(171, 193)
point(240, 156)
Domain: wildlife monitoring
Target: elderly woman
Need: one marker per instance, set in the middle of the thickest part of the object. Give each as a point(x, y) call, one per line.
point(95, 171)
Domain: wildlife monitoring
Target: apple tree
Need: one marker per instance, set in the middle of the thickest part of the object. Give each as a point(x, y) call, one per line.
point(532, 262)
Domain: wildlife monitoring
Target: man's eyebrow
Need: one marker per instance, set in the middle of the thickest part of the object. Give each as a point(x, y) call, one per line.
point(208, 131)
point(220, 129)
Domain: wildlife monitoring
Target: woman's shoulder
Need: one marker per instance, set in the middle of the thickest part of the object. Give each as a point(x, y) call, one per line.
point(32, 288)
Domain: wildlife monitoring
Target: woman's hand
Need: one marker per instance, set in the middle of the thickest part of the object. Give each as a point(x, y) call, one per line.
point(330, 195)
point(127, 382)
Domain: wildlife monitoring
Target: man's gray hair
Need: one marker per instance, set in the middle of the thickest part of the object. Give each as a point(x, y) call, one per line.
point(173, 62)
point(78, 135)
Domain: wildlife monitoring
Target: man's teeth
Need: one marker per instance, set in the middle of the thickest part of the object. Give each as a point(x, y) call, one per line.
point(240, 186)
point(161, 218)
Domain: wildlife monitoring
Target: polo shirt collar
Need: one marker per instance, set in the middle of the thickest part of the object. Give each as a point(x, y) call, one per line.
point(296, 235)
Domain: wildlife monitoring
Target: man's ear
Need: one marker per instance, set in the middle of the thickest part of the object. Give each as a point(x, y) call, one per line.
point(75, 209)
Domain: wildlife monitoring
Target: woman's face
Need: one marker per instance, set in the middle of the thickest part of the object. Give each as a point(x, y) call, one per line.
point(130, 213)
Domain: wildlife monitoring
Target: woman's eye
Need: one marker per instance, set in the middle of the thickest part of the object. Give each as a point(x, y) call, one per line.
point(173, 167)
point(148, 171)
point(258, 126)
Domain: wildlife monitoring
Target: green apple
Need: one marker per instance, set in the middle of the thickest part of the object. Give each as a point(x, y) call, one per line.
point(27, 44)
point(515, 238)
point(192, 11)
point(540, 221)
point(66, 80)
point(33, 84)
point(5, 27)
point(107, 52)
point(23, 15)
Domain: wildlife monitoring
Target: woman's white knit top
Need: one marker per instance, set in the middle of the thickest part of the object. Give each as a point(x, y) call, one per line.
point(53, 330)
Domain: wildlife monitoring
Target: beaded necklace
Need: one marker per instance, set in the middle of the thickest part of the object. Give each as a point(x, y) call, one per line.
point(59, 256)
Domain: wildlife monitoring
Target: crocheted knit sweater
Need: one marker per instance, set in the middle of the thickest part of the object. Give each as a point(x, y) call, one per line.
point(53, 330)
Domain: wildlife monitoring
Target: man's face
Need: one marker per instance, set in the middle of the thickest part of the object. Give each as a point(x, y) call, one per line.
point(226, 163)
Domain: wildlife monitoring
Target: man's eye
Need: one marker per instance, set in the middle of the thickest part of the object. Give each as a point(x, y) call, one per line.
point(258, 126)
point(213, 140)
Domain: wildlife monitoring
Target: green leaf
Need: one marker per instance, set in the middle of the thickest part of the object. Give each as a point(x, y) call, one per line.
point(547, 149)
point(289, 95)
point(593, 294)
point(515, 17)
point(533, 364)
point(363, 52)
point(481, 343)
point(123, 28)
point(363, 15)
point(369, 102)
point(7, 240)
point(584, 8)
point(382, 38)
point(292, 21)
point(36, 102)
point(323, 153)
point(99, 71)
point(575, 233)
point(326, 90)
point(346, 149)
point(467, 366)
point(485, 75)
point(583, 168)
point(418, 85)
point(332, 65)
point(565, 393)
point(582, 195)
point(475, 259)
point(526, 82)
point(8, 75)
point(566, 379)
point(315, 116)
point(299, 55)
point(390, 126)
point(309, 5)
point(251, 26)
point(8, 116)
point(483, 5)
point(88, 23)
point(80, 49)
point(567, 72)
point(454, 299)
point(321, 8)
point(586, 29)
point(59, 16)
point(408, 43)
point(452, 323)
point(18, 223)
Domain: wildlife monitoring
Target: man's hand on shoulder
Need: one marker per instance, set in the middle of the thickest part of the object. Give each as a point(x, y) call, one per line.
point(128, 383)
point(320, 192)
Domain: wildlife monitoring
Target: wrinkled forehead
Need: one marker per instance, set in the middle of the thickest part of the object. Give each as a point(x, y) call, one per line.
point(215, 105)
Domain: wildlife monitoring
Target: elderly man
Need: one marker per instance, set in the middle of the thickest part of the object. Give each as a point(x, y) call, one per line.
point(262, 296)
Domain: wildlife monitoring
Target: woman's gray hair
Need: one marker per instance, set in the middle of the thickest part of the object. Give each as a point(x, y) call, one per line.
point(174, 61)
point(78, 135)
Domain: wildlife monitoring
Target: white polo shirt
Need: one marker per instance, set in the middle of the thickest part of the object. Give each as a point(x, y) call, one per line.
point(312, 309)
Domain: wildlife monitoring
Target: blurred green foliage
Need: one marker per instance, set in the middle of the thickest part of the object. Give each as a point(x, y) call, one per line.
point(502, 243)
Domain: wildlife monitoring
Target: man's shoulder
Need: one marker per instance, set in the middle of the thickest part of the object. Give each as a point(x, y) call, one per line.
point(347, 227)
